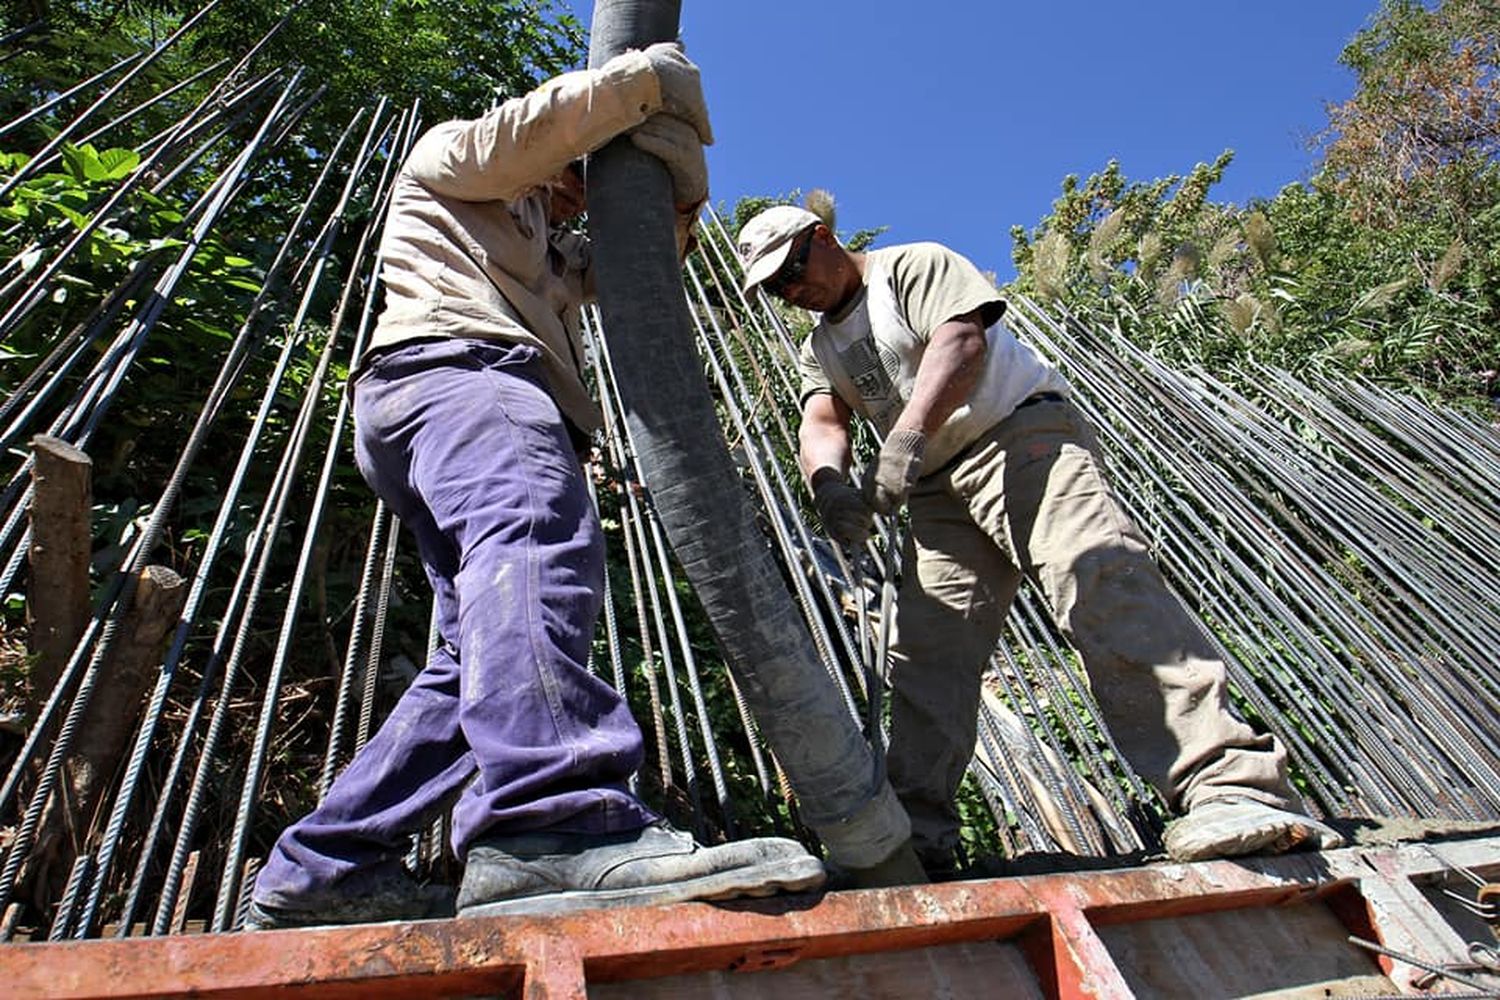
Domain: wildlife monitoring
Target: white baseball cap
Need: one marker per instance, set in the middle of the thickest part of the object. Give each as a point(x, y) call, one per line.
point(766, 240)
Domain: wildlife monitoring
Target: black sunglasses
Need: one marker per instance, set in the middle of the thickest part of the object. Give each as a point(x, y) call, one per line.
point(792, 271)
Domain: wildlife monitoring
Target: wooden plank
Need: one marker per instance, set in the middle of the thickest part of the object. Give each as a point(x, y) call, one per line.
point(61, 542)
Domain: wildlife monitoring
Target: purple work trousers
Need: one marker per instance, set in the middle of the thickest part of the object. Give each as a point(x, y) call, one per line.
point(464, 443)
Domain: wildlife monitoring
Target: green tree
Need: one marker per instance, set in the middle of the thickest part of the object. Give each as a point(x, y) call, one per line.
point(1422, 132)
point(455, 56)
point(1385, 263)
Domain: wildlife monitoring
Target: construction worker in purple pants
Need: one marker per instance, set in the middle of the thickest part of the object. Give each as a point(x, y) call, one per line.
point(469, 405)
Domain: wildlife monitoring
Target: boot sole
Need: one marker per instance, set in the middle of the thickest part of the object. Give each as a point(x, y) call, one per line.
point(1269, 839)
point(801, 875)
point(265, 918)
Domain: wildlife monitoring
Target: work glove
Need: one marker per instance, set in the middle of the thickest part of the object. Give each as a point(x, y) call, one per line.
point(675, 143)
point(891, 476)
point(681, 88)
point(686, 232)
point(845, 515)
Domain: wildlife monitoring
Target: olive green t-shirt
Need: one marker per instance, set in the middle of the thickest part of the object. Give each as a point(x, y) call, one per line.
point(933, 284)
point(868, 353)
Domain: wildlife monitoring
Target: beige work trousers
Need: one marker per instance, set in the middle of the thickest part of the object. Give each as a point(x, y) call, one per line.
point(1031, 498)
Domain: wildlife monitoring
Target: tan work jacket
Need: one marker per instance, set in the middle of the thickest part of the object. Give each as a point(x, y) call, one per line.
point(467, 248)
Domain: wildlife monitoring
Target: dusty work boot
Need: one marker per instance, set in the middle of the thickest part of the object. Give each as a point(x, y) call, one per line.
point(904, 866)
point(363, 897)
point(940, 863)
point(1232, 826)
point(544, 873)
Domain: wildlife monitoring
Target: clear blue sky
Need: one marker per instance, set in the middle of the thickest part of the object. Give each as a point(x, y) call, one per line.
point(952, 121)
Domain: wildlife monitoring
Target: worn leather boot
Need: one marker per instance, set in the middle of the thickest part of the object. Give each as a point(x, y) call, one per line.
point(546, 873)
point(363, 897)
point(902, 867)
point(1231, 826)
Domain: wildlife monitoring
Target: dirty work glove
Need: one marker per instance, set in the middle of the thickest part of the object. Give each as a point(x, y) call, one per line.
point(845, 515)
point(891, 475)
point(675, 143)
point(681, 89)
point(686, 231)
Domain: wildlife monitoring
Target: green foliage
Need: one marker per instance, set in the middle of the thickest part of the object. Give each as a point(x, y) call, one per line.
point(143, 233)
point(1306, 278)
point(454, 55)
point(1109, 228)
point(979, 836)
point(452, 58)
point(1421, 135)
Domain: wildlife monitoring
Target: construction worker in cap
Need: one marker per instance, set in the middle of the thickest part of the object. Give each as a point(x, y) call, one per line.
point(469, 404)
point(1003, 479)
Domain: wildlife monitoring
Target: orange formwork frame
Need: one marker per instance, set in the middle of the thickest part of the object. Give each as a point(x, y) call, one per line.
point(1055, 920)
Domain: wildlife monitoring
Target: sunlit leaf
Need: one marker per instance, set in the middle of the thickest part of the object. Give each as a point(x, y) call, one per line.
point(118, 163)
point(76, 162)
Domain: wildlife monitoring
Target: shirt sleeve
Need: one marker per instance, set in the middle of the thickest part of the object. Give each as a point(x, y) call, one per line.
point(814, 379)
point(531, 138)
point(935, 284)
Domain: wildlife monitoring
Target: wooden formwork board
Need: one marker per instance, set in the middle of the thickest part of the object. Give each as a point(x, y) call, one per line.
point(1269, 927)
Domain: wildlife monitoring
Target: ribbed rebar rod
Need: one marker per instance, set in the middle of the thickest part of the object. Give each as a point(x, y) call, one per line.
point(376, 549)
point(370, 672)
point(65, 133)
point(67, 95)
point(142, 549)
point(229, 880)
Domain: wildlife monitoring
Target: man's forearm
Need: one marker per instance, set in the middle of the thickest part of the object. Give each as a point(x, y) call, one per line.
point(824, 455)
point(822, 445)
point(530, 138)
point(950, 369)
